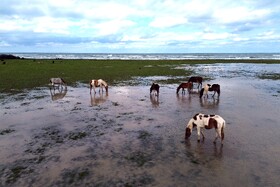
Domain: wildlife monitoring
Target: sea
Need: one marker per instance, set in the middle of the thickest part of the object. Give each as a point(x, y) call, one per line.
point(149, 56)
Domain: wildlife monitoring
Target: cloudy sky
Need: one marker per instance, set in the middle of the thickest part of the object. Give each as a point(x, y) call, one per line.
point(140, 26)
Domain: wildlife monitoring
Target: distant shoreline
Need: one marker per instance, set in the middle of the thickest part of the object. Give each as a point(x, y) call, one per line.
point(150, 56)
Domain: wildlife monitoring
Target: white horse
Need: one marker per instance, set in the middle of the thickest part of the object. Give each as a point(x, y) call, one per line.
point(98, 83)
point(57, 81)
point(201, 121)
point(205, 89)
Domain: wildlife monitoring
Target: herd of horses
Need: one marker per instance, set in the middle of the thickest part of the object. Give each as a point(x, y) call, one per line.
point(200, 121)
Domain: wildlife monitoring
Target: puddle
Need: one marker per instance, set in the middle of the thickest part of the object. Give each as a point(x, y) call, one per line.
point(130, 138)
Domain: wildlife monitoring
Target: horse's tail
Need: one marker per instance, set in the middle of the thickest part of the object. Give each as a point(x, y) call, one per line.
point(201, 92)
point(222, 130)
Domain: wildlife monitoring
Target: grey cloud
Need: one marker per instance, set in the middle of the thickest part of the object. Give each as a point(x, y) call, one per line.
point(30, 39)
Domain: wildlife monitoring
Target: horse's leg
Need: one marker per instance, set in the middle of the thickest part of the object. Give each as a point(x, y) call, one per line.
point(198, 134)
point(202, 134)
point(217, 135)
point(94, 89)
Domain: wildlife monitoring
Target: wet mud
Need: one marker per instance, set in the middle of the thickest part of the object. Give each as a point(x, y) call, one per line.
point(131, 138)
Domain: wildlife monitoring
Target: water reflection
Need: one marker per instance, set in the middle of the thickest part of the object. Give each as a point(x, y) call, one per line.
point(209, 102)
point(204, 149)
point(154, 100)
point(98, 99)
point(58, 92)
point(182, 98)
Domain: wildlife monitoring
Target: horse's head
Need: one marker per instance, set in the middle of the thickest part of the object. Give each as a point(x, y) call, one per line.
point(188, 132)
point(179, 87)
point(189, 128)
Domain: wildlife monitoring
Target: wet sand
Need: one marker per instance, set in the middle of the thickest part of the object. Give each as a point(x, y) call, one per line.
point(129, 138)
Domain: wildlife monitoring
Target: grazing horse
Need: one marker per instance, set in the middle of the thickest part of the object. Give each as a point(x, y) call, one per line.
point(211, 88)
point(57, 81)
point(154, 88)
point(196, 80)
point(201, 121)
point(98, 83)
point(184, 85)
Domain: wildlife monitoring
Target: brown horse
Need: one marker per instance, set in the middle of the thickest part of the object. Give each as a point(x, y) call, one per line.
point(184, 85)
point(211, 88)
point(154, 87)
point(196, 80)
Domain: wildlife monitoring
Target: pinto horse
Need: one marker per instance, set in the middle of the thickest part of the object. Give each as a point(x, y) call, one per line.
point(155, 88)
point(201, 121)
point(196, 80)
point(211, 88)
point(98, 83)
point(184, 85)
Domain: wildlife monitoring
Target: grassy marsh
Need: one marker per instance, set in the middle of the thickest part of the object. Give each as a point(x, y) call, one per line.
point(18, 74)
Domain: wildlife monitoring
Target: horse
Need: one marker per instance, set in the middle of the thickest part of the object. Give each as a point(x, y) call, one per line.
point(201, 121)
point(155, 88)
point(211, 88)
point(57, 81)
point(196, 80)
point(98, 83)
point(184, 85)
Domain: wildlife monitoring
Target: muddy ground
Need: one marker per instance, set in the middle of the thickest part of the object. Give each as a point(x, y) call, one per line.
point(129, 138)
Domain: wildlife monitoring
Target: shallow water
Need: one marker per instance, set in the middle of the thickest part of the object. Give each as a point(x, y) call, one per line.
point(129, 138)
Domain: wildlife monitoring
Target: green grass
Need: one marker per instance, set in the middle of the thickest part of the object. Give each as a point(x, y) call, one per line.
point(271, 76)
point(27, 74)
point(19, 74)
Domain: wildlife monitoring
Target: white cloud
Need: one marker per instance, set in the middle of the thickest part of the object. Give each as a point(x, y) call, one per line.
point(146, 24)
point(168, 21)
point(113, 27)
point(51, 25)
point(239, 14)
point(215, 36)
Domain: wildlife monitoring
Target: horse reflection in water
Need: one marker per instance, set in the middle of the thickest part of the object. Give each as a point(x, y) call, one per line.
point(199, 152)
point(58, 93)
point(209, 103)
point(98, 99)
point(154, 100)
point(183, 99)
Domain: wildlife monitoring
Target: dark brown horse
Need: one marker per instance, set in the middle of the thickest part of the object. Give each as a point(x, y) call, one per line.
point(196, 80)
point(184, 85)
point(211, 88)
point(154, 87)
